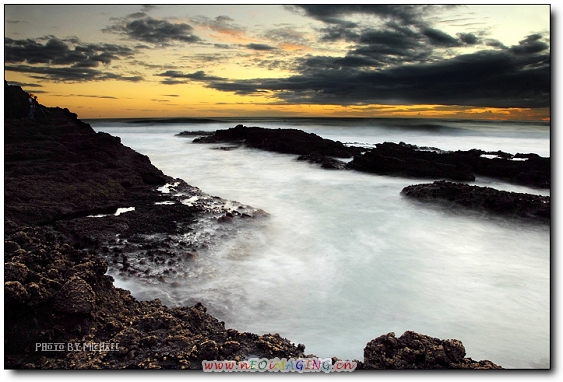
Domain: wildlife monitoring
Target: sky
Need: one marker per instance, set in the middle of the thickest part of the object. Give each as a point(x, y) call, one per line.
point(315, 60)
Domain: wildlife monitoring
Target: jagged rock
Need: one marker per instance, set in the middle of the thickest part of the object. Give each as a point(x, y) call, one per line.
point(393, 159)
point(417, 351)
point(409, 160)
point(389, 158)
point(15, 291)
point(208, 350)
point(15, 272)
point(483, 198)
point(75, 297)
point(189, 133)
point(10, 247)
point(287, 141)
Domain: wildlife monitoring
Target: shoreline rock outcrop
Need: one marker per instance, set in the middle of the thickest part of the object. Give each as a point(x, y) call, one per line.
point(536, 207)
point(397, 159)
point(59, 172)
point(285, 141)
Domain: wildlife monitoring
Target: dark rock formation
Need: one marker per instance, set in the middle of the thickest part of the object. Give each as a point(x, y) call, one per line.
point(418, 351)
point(396, 159)
point(409, 160)
point(391, 158)
point(286, 141)
point(58, 167)
point(188, 133)
point(75, 296)
point(484, 198)
point(55, 293)
point(324, 161)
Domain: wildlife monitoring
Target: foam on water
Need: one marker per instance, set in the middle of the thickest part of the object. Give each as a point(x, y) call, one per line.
point(343, 257)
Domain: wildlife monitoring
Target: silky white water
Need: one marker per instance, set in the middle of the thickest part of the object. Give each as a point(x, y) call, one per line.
point(343, 257)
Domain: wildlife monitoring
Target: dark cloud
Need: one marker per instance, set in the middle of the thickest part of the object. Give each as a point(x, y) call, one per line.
point(333, 14)
point(69, 74)
point(515, 77)
point(136, 15)
point(154, 31)
point(254, 46)
point(59, 52)
point(393, 45)
point(174, 77)
point(67, 60)
point(25, 84)
point(222, 46)
point(404, 36)
point(275, 64)
point(339, 32)
point(439, 38)
point(468, 38)
point(395, 41)
point(207, 58)
point(530, 45)
point(494, 43)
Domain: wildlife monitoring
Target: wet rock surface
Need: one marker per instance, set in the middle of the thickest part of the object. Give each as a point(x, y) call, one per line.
point(398, 159)
point(418, 351)
point(324, 161)
point(56, 293)
point(286, 141)
point(412, 161)
point(191, 133)
point(78, 203)
point(536, 207)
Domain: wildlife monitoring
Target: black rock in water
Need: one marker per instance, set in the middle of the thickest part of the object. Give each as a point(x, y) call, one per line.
point(418, 351)
point(286, 141)
point(324, 161)
point(397, 159)
point(188, 133)
point(400, 159)
point(522, 205)
point(408, 160)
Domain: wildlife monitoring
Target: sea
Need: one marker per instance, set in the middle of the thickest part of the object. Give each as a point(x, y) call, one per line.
point(343, 257)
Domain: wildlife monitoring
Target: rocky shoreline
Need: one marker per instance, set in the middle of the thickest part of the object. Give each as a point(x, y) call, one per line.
point(402, 159)
point(505, 203)
point(387, 158)
point(77, 203)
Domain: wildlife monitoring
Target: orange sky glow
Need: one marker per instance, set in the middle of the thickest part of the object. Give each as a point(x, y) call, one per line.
point(296, 61)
